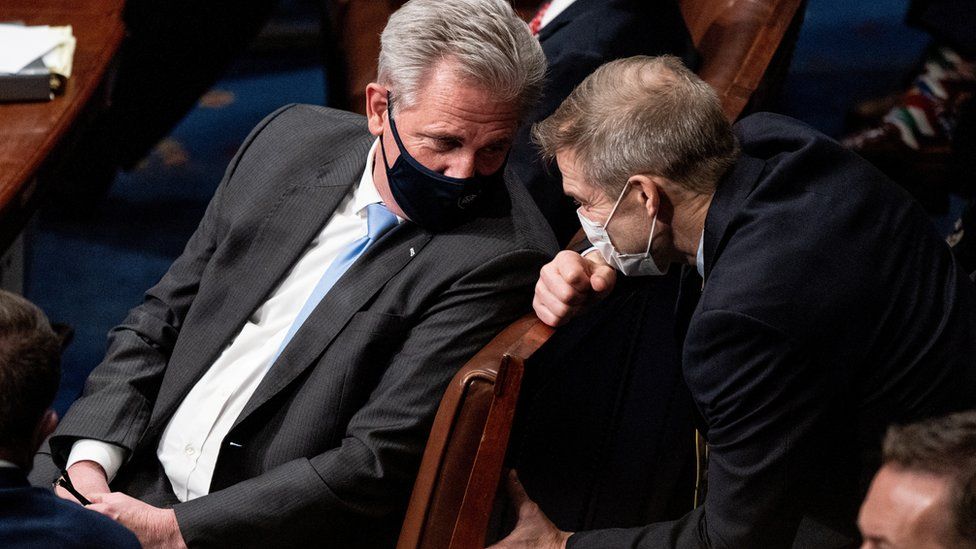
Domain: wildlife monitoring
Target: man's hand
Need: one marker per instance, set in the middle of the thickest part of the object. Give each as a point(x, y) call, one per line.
point(534, 530)
point(153, 526)
point(570, 284)
point(88, 478)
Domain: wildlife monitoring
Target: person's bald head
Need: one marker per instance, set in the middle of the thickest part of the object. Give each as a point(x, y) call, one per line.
point(642, 115)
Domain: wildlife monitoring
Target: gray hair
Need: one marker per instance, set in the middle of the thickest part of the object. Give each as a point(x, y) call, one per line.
point(642, 115)
point(491, 46)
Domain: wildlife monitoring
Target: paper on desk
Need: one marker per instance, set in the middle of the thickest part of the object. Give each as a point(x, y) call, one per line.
point(20, 45)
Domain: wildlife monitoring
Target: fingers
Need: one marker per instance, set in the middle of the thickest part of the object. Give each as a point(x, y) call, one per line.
point(571, 269)
point(115, 505)
point(548, 308)
point(570, 292)
point(603, 279)
point(567, 285)
point(104, 504)
point(516, 491)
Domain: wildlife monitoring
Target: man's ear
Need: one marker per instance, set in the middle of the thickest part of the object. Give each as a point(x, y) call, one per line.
point(43, 429)
point(377, 99)
point(650, 192)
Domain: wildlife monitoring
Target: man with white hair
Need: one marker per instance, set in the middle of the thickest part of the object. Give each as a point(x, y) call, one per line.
point(277, 386)
point(819, 302)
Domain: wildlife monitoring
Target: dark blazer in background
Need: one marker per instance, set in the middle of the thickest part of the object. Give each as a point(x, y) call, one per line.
point(831, 308)
point(586, 35)
point(327, 447)
point(949, 21)
point(33, 518)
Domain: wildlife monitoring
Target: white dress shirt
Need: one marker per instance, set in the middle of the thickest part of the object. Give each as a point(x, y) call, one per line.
point(4, 464)
point(192, 439)
point(555, 8)
point(700, 256)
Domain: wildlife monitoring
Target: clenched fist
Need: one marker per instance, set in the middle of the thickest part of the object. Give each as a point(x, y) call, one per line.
point(569, 284)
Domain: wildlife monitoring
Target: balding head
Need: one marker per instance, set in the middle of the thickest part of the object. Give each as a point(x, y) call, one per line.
point(643, 115)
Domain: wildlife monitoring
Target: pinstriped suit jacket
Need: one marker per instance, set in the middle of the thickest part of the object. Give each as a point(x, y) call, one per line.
point(325, 451)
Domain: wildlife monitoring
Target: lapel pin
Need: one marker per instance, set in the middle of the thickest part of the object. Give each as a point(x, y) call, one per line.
point(412, 253)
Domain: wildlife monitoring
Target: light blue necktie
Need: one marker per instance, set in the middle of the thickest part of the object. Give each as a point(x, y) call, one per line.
point(379, 220)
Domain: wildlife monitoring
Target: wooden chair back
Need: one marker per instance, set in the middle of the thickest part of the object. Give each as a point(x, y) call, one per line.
point(454, 492)
point(738, 40)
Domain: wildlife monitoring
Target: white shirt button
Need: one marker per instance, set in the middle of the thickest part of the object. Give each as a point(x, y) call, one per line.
point(190, 450)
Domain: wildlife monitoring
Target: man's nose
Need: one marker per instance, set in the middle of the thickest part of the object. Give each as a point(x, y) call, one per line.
point(461, 167)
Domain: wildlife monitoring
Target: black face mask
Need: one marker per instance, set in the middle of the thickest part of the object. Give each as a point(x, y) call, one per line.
point(432, 200)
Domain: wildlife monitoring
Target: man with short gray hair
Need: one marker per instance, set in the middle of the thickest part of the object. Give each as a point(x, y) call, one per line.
point(277, 386)
point(818, 305)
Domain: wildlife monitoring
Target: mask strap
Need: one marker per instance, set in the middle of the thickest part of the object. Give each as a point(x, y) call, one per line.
point(393, 128)
point(617, 203)
point(651, 238)
point(386, 163)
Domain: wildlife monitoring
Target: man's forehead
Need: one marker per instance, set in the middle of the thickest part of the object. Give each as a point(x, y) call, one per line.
point(907, 506)
point(453, 97)
point(575, 180)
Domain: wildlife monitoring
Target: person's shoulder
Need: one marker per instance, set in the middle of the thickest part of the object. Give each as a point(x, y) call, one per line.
point(90, 526)
point(296, 123)
point(767, 135)
point(798, 159)
point(297, 143)
point(44, 520)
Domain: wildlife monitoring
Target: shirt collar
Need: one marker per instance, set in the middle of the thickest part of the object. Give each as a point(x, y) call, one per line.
point(366, 193)
point(700, 259)
point(555, 8)
point(4, 464)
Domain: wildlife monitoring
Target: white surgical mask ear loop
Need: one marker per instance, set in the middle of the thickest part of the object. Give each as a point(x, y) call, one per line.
point(651, 238)
point(614, 210)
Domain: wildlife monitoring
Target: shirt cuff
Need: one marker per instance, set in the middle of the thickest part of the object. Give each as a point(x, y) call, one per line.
point(109, 456)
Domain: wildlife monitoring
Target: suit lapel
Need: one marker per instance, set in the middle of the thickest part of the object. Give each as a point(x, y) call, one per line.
point(352, 291)
point(280, 239)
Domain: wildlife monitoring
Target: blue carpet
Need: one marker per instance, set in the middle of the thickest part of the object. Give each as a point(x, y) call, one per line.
point(847, 52)
point(90, 274)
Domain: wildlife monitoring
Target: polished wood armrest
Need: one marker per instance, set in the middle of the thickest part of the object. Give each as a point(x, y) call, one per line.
point(31, 132)
point(461, 467)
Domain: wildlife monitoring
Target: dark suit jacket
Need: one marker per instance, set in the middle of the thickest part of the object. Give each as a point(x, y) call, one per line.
point(34, 517)
point(831, 308)
point(586, 35)
point(328, 445)
point(949, 21)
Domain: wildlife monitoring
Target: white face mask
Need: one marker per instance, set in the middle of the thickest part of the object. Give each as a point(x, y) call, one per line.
point(628, 264)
